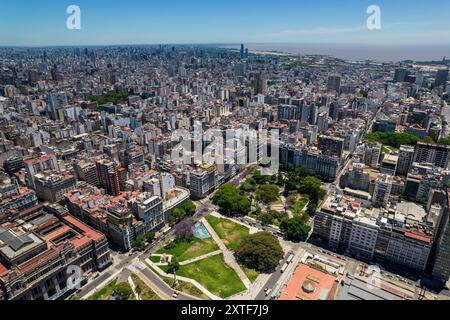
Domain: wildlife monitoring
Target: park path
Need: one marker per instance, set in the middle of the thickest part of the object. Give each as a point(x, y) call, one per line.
point(205, 256)
point(133, 287)
point(227, 254)
point(191, 281)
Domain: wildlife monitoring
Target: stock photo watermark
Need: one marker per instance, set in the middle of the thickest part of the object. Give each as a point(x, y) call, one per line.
point(73, 22)
point(234, 146)
point(75, 277)
point(374, 20)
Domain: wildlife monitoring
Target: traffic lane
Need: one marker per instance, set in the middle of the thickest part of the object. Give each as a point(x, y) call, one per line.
point(162, 286)
point(91, 285)
point(273, 280)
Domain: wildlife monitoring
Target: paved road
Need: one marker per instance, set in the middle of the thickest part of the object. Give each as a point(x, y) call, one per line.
point(275, 278)
point(162, 286)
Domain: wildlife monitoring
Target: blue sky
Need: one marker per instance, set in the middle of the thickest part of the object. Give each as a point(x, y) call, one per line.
point(43, 22)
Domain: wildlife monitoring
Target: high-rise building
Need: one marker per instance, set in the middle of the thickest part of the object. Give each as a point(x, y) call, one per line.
point(405, 159)
point(334, 83)
point(331, 145)
point(441, 270)
point(86, 171)
point(383, 187)
point(261, 84)
point(400, 75)
point(56, 102)
point(149, 208)
point(372, 154)
point(441, 78)
point(287, 112)
point(438, 155)
point(108, 176)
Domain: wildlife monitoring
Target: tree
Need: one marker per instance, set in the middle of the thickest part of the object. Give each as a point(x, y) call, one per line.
point(231, 201)
point(445, 141)
point(260, 251)
point(138, 244)
point(150, 236)
point(259, 178)
point(177, 215)
point(392, 139)
point(428, 139)
point(122, 291)
point(173, 265)
point(189, 208)
point(249, 185)
point(294, 229)
point(312, 187)
point(265, 218)
point(267, 193)
point(311, 209)
point(183, 230)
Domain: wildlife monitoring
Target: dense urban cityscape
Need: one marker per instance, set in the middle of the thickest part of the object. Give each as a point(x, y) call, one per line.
point(311, 178)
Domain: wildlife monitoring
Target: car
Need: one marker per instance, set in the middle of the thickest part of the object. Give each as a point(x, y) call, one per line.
point(175, 295)
point(268, 292)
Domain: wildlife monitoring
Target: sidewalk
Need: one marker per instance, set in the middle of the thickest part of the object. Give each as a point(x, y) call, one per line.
point(205, 256)
point(191, 281)
point(227, 254)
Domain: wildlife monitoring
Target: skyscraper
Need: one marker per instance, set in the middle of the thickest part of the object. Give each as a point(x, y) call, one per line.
point(261, 84)
point(441, 270)
point(108, 176)
point(57, 101)
point(441, 78)
point(438, 155)
point(334, 83)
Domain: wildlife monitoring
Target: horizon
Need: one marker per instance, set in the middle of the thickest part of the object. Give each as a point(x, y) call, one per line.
point(345, 51)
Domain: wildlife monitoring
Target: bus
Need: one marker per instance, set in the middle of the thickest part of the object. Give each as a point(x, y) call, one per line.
point(291, 257)
point(283, 269)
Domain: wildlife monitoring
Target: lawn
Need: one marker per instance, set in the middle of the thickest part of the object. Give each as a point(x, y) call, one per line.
point(189, 250)
point(214, 275)
point(106, 293)
point(230, 232)
point(155, 259)
point(299, 205)
point(250, 273)
point(184, 287)
point(146, 292)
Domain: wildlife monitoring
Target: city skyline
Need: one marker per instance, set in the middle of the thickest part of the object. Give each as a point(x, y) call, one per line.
point(155, 22)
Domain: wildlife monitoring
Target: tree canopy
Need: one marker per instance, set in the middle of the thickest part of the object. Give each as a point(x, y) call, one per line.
point(231, 201)
point(260, 251)
point(183, 230)
point(139, 244)
point(392, 139)
point(186, 210)
point(294, 229)
point(267, 193)
point(122, 291)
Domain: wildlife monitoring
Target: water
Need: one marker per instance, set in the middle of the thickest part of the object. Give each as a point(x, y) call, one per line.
point(355, 52)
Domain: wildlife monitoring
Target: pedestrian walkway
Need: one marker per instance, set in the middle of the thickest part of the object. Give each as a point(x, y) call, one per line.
point(227, 254)
point(133, 287)
point(191, 281)
point(205, 256)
